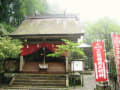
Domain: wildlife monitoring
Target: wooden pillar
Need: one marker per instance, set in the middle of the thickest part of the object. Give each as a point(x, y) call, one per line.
point(67, 74)
point(67, 64)
point(21, 63)
point(67, 80)
point(82, 78)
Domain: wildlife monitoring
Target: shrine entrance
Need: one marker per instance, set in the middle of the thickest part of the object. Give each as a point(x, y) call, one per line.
point(39, 62)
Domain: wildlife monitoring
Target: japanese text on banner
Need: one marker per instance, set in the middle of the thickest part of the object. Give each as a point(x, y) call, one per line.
point(116, 46)
point(99, 61)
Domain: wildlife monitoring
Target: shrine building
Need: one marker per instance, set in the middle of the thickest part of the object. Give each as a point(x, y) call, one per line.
point(40, 35)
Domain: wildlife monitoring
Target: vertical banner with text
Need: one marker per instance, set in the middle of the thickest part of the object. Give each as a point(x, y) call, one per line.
point(99, 61)
point(116, 47)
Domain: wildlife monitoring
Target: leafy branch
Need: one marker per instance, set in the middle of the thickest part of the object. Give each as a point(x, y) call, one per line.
point(70, 48)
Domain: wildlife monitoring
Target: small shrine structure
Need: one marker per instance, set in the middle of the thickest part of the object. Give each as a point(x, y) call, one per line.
point(40, 35)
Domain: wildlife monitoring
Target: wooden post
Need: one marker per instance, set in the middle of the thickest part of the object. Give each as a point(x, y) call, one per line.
point(66, 64)
point(21, 63)
point(44, 55)
point(67, 75)
point(67, 80)
point(82, 78)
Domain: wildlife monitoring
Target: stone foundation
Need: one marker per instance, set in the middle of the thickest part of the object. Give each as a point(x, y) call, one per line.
point(102, 86)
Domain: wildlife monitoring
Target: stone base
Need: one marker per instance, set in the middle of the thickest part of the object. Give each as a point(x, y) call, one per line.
point(102, 86)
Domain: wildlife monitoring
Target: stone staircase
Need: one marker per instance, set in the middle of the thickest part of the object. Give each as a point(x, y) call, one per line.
point(27, 81)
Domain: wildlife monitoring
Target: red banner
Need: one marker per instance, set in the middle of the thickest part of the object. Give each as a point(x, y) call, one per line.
point(116, 46)
point(99, 61)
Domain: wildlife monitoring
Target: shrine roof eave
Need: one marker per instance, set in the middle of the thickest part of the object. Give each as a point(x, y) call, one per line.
point(47, 35)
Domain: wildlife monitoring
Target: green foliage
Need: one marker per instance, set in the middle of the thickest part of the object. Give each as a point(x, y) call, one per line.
point(2, 30)
point(29, 6)
point(9, 48)
point(70, 47)
point(13, 11)
point(5, 29)
point(8, 27)
point(110, 56)
point(101, 30)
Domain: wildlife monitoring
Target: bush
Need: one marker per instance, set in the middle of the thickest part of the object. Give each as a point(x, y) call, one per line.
point(9, 48)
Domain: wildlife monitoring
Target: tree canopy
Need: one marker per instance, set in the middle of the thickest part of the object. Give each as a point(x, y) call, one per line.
point(101, 30)
point(13, 11)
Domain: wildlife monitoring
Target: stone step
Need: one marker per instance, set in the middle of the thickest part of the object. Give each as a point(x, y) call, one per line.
point(36, 88)
point(38, 84)
point(29, 74)
point(41, 78)
point(33, 80)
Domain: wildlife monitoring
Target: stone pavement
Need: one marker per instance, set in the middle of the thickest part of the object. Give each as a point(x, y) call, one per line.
point(89, 83)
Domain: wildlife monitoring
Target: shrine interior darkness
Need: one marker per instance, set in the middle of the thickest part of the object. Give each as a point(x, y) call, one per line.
point(38, 56)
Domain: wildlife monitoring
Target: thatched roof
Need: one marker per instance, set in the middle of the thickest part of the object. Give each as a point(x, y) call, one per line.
point(48, 26)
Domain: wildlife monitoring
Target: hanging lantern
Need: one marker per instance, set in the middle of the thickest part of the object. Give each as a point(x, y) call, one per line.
point(52, 45)
point(43, 48)
point(38, 46)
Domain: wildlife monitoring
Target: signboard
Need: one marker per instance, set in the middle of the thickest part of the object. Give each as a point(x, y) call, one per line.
point(116, 46)
point(77, 66)
point(99, 61)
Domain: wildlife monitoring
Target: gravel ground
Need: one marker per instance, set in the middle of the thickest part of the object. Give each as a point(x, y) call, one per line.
point(89, 83)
